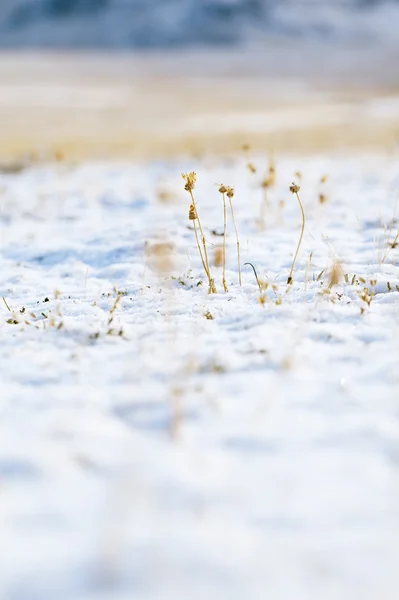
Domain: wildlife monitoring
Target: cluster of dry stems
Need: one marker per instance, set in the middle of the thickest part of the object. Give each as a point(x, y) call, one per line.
point(228, 192)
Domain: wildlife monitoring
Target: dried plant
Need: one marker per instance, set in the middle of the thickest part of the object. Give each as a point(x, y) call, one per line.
point(190, 179)
point(223, 191)
point(294, 189)
point(111, 330)
point(366, 295)
point(395, 243)
point(322, 193)
point(230, 195)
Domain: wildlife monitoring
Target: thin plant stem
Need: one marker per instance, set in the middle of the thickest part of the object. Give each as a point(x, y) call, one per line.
point(238, 242)
point(201, 231)
point(5, 302)
point(290, 280)
point(255, 273)
point(393, 245)
point(224, 243)
point(205, 261)
point(199, 250)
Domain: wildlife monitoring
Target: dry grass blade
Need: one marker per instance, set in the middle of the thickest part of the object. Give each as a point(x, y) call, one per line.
point(294, 189)
point(190, 179)
point(5, 302)
point(230, 195)
point(223, 191)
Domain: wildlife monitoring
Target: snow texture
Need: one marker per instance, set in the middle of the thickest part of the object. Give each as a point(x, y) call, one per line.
point(147, 451)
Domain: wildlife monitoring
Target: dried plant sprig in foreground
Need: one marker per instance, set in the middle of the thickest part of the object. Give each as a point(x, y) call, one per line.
point(230, 195)
point(190, 179)
point(223, 191)
point(192, 215)
point(294, 189)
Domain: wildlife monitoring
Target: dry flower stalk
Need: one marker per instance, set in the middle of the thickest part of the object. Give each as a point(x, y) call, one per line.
point(223, 191)
point(230, 195)
point(190, 179)
point(294, 189)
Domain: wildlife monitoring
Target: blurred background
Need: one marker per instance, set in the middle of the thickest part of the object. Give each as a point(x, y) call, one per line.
point(156, 78)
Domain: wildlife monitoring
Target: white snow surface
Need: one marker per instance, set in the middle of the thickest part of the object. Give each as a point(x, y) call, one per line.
point(249, 456)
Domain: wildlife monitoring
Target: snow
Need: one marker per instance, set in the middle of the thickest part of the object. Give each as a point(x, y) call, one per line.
point(166, 455)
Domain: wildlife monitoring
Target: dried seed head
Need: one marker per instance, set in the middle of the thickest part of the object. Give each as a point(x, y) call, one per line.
point(251, 167)
point(265, 183)
point(230, 192)
point(322, 198)
point(272, 174)
point(294, 188)
point(323, 179)
point(190, 179)
point(223, 189)
point(298, 175)
point(192, 213)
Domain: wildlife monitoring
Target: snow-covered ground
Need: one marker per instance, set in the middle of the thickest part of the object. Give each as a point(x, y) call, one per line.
point(160, 443)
